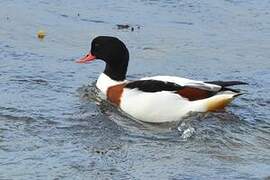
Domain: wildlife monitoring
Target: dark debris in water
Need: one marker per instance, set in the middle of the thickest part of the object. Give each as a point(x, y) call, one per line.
point(128, 27)
point(123, 26)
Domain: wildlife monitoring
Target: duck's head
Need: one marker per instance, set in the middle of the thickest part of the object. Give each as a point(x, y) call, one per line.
point(113, 52)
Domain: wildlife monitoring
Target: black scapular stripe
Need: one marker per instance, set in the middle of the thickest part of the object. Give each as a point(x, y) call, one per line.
point(153, 86)
point(156, 86)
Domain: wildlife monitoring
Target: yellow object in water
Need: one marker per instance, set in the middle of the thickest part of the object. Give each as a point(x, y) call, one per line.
point(41, 34)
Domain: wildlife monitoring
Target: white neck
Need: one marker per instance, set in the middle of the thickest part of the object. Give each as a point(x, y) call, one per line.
point(104, 82)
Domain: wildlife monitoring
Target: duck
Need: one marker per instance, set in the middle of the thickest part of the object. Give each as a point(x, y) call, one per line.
point(156, 99)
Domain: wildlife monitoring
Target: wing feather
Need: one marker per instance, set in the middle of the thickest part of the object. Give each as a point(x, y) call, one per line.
point(187, 88)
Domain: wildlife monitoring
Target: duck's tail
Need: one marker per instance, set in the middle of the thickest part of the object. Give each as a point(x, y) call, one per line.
point(225, 96)
point(226, 84)
point(219, 101)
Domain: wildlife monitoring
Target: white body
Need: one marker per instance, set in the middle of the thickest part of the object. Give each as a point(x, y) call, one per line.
point(163, 106)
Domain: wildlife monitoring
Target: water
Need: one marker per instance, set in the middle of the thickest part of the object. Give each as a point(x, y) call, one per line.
point(54, 126)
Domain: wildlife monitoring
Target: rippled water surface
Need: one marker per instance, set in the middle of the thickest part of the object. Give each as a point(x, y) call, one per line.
point(53, 125)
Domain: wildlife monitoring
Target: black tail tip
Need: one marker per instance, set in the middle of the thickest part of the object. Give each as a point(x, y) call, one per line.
point(227, 83)
point(238, 94)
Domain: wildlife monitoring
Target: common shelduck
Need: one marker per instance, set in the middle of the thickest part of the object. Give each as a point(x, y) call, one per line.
point(154, 99)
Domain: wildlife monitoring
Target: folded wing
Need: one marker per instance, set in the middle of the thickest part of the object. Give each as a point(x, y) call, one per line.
point(189, 89)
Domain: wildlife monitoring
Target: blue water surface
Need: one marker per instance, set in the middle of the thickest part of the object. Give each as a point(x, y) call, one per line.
point(54, 126)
